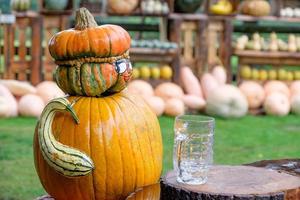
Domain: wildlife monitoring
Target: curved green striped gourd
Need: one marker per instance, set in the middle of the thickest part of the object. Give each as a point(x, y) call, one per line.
point(64, 159)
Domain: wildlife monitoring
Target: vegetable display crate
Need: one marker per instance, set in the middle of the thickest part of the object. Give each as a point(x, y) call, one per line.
point(170, 56)
point(189, 32)
point(276, 59)
point(17, 64)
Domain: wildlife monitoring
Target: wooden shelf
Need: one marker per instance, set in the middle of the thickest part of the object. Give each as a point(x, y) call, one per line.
point(267, 54)
point(266, 18)
point(267, 58)
point(151, 54)
point(198, 16)
point(56, 12)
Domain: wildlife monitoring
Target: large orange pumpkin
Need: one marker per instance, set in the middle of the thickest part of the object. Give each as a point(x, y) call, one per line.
point(91, 59)
point(120, 137)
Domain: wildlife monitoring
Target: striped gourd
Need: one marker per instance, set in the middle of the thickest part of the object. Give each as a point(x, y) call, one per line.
point(93, 79)
point(119, 133)
point(66, 160)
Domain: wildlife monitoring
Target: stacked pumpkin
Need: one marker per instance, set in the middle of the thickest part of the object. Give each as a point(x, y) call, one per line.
point(100, 142)
point(17, 97)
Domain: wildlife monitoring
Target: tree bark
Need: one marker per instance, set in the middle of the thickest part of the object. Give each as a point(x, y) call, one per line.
point(235, 182)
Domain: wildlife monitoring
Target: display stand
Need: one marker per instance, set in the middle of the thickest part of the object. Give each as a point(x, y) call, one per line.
point(17, 64)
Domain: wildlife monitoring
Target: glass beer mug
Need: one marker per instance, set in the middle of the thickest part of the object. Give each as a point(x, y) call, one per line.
point(193, 148)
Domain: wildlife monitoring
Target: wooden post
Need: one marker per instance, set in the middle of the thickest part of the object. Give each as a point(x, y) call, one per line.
point(36, 51)
point(201, 51)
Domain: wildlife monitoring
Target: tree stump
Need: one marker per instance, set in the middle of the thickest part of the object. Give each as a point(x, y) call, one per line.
point(235, 182)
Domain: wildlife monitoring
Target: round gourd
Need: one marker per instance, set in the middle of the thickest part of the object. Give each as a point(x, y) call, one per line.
point(18, 88)
point(48, 90)
point(92, 60)
point(187, 6)
point(115, 141)
point(295, 88)
point(190, 82)
point(4, 107)
point(157, 104)
point(277, 104)
point(193, 102)
point(55, 4)
point(168, 90)
point(208, 83)
point(140, 87)
point(12, 110)
point(254, 93)
point(295, 104)
point(226, 101)
point(20, 5)
point(174, 107)
point(219, 74)
point(31, 105)
point(256, 8)
point(122, 7)
point(276, 86)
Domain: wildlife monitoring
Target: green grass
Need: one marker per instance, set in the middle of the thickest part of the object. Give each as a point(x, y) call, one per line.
point(236, 141)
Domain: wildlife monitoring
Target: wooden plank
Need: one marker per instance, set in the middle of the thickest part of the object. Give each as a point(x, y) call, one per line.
point(36, 51)
point(267, 54)
point(201, 47)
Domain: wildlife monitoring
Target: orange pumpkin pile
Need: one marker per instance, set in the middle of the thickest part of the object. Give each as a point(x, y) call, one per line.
point(106, 137)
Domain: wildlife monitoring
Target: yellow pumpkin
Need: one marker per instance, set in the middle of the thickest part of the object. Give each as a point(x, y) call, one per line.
point(117, 136)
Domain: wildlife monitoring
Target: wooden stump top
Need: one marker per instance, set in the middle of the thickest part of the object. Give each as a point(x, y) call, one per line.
point(237, 182)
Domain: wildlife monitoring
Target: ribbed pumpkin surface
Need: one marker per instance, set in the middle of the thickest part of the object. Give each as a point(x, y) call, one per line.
point(121, 135)
point(100, 41)
point(91, 79)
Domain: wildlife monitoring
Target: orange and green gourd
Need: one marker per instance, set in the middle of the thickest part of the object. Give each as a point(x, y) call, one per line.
point(92, 60)
point(100, 148)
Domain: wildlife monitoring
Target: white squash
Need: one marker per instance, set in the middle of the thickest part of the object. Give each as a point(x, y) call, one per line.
point(190, 82)
point(277, 104)
point(254, 93)
point(219, 74)
point(174, 107)
point(276, 86)
point(194, 102)
point(4, 107)
point(140, 87)
point(13, 106)
point(168, 90)
point(31, 105)
point(18, 88)
point(49, 90)
point(157, 104)
point(208, 83)
point(226, 101)
point(295, 88)
point(295, 104)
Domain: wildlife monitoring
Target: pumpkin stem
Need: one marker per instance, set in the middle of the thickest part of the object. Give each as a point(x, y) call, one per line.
point(84, 19)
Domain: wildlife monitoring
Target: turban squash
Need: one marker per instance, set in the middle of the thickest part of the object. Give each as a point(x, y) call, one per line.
point(117, 147)
point(92, 60)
